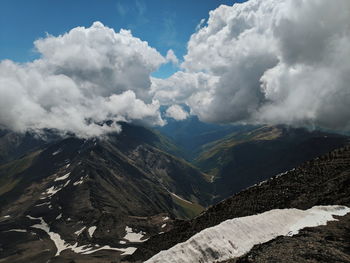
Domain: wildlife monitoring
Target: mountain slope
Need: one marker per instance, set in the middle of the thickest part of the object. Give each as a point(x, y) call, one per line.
point(322, 181)
point(191, 134)
point(248, 157)
point(95, 200)
point(14, 145)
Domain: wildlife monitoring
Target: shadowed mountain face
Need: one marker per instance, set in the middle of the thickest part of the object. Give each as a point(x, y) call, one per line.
point(14, 145)
point(191, 134)
point(244, 158)
point(322, 181)
point(91, 193)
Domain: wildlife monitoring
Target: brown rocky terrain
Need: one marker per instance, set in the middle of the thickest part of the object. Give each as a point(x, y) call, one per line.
point(321, 181)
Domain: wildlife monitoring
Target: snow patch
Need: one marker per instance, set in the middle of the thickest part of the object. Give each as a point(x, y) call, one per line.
point(166, 218)
point(164, 225)
point(128, 250)
point(52, 191)
point(81, 180)
point(63, 177)
point(56, 238)
point(91, 230)
point(59, 216)
point(132, 236)
point(235, 237)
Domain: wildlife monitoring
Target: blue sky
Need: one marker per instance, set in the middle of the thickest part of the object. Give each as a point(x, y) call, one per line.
point(164, 24)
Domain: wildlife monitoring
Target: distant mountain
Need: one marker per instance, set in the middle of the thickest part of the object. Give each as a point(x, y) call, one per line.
point(95, 200)
point(246, 157)
point(14, 145)
point(191, 134)
point(297, 195)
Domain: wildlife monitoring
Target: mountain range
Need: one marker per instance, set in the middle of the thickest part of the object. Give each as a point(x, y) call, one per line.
point(127, 196)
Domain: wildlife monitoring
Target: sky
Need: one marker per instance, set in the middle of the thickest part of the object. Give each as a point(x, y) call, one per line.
point(80, 67)
point(165, 24)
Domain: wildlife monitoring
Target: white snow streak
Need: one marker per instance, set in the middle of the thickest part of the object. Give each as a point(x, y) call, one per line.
point(235, 237)
point(81, 180)
point(59, 216)
point(46, 203)
point(16, 230)
point(57, 152)
point(52, 191)
point(80, 231)
point(125, 251)
point(63, 177)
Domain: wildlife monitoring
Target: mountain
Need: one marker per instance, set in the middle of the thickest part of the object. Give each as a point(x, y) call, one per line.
point(100, 200)
point(191, 134)
point(312, 195)
point(95, 200)
point(244, 158)
point(14, 145)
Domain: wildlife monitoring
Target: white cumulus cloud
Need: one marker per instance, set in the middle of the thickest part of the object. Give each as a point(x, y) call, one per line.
point(171, 57)
point(176, 112)
point(261, 61)
point(82, 79)
point(268, 61)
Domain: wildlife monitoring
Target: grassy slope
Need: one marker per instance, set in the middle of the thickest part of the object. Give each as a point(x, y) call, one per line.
point(189, 209)
point(215, 155)
point(9, 172)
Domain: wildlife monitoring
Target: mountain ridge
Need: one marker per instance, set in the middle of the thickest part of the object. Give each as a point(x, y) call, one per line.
point(321, 181)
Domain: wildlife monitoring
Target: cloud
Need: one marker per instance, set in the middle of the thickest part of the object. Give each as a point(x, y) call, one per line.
point(141, 7)
point(171, 57)
point(193, 89)
point(262, 61)
point(83, 78)
point(176, 112)
point(200, 24)
point(121, 9)
point(268, 61)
